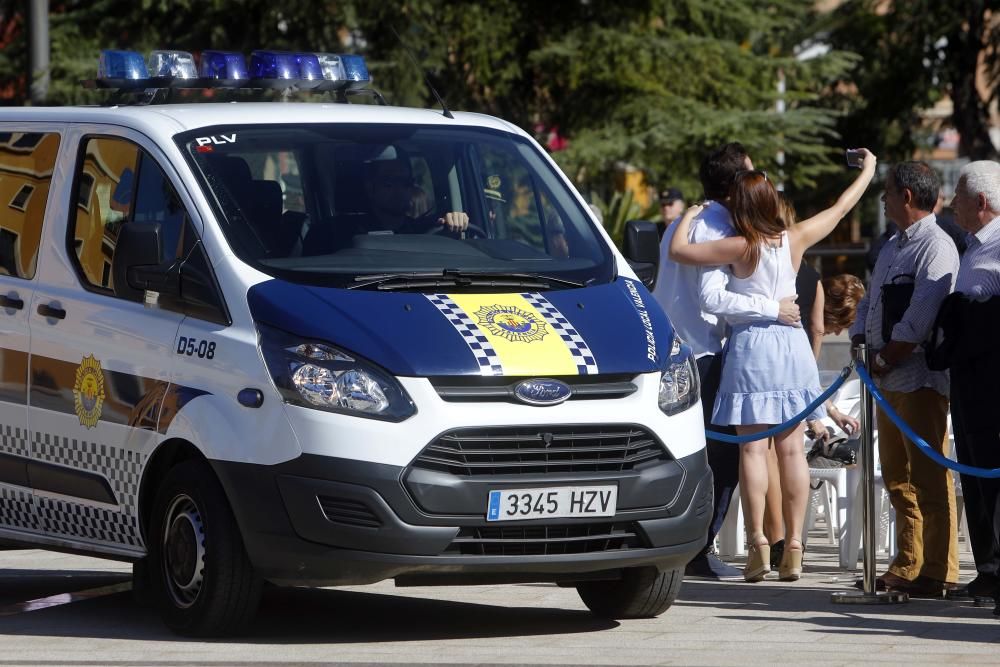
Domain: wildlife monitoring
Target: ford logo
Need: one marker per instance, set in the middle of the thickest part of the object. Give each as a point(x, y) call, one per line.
point(542, 391)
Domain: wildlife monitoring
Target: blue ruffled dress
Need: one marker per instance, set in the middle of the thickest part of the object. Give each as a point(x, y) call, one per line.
point(769, 374)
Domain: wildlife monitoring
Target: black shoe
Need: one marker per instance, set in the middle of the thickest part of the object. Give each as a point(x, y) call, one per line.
point(983, 586)
point(708, 566)
point(777, 550)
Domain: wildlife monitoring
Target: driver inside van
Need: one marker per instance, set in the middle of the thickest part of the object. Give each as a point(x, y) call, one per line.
point(394, 198)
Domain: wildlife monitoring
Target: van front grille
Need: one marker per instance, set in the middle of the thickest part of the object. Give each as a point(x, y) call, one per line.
point(545, 540)
point(541, 449)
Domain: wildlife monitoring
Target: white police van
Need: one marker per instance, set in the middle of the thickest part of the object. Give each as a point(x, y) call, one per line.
point(329, 344)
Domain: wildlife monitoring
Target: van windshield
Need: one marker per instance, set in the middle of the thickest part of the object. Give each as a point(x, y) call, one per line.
point(340, 204)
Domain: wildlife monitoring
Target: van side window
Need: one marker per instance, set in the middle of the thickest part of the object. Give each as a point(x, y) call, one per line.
point(26, 162)
point(119, 183)
point(109, 167)
point(156, 201)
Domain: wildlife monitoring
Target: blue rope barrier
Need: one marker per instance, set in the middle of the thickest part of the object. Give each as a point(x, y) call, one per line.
point(740, 439)
point(921, 444)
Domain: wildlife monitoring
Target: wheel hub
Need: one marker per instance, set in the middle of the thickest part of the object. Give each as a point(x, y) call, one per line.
point(184, 551)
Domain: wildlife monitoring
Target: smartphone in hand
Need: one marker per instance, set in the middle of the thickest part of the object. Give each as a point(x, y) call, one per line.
point(854, 158)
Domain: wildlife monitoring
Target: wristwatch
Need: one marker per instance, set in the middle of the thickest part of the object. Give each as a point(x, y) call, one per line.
point(880, 362)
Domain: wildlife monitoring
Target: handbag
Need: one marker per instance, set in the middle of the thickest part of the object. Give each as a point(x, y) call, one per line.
point(834, 452)
point(896, 298)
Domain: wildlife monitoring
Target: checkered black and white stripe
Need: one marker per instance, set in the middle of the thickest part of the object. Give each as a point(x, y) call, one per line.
point(486, 356)
point(16, 509)
point(123, 470)
point(121, 467)
point(14, 440)
point(87, 522)
point(586, 364)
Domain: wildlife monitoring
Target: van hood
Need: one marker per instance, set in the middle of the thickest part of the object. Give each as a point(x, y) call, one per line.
point(611, 328)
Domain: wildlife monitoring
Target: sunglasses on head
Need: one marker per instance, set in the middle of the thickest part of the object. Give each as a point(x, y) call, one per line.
point(751, 172)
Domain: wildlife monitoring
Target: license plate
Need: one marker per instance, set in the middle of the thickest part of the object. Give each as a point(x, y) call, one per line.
point(564, 501)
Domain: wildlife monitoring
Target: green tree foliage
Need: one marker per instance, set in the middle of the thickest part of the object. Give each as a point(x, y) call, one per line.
point(912, 53)
point(661, 85)
point(654, 82)
point(79, 29)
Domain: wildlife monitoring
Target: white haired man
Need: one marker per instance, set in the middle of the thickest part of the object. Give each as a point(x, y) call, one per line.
point(965, 320)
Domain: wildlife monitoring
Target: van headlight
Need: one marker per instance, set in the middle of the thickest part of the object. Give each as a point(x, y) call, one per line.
point(318, 375)
point(680, 386)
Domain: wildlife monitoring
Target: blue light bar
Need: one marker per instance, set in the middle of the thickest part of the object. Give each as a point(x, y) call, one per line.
point(355, 70)
point(331, 66)
point(273, 65)
point(309, 67)
point(268, 69)
point(223, 65)
point(172, 64)
point(121, 65)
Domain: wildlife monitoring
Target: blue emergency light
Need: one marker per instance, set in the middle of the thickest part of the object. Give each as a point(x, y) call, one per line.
point(127, 65)
point(355, 70)
point(268, 68)
point(224, 66)
point(273, 65)
point(127, 70)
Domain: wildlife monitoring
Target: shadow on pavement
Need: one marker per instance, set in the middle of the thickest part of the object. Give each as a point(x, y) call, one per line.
point(775, 602)
point(314, 616)
point(21, 585)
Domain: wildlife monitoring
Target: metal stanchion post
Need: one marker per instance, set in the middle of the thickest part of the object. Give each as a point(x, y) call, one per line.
point(868, 532)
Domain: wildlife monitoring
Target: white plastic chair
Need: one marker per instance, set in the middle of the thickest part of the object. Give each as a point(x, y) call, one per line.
point(885, 522)
point(829, 495)
point(832, 490)
point(732, 537)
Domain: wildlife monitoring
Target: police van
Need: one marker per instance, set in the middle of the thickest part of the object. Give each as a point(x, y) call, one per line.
point(329, 344)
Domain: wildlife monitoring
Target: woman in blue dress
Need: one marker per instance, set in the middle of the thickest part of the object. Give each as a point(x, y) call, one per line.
point(769, 373)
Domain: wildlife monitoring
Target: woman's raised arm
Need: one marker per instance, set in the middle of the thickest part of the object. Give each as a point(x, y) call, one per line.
point(709, 253)
point(810, 232)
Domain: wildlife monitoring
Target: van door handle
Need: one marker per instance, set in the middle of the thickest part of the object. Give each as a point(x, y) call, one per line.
point(47, 310)
point(11, 302)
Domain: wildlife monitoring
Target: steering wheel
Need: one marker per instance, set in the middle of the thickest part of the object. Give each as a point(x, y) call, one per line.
point(470, 228)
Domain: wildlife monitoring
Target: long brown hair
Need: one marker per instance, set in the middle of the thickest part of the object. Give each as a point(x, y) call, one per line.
point(756, 210)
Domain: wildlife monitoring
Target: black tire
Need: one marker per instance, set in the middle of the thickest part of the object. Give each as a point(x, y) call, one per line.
point(203, 581)
point(642, 592)
point(142, 583)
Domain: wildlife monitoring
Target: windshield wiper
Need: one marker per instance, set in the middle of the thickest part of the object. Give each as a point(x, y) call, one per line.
point(456, 278)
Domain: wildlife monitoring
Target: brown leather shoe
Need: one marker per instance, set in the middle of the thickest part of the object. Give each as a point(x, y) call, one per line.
point(884, 582)
point(922, 587)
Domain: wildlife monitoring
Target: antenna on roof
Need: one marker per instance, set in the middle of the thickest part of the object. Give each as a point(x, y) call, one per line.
point(444, 107)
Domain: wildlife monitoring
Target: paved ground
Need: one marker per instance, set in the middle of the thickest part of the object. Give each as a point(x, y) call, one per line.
point(81, 613)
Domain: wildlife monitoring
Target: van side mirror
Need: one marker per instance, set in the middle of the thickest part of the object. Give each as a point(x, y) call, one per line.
point(136, 265)
point(641, 247)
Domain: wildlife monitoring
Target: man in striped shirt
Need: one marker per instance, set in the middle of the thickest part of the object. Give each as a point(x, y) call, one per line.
point(921, 491)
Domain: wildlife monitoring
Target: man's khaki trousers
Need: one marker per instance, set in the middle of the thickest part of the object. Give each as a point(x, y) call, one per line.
point(921, 491)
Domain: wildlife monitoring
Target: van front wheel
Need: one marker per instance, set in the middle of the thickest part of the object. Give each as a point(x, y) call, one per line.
point(202, 578)
point(642, 592)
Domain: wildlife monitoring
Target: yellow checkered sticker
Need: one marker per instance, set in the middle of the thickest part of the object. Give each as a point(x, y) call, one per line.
point(516, 334)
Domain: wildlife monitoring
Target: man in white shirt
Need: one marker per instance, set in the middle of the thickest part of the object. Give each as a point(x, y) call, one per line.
point(977, 211)
point(699, 307)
